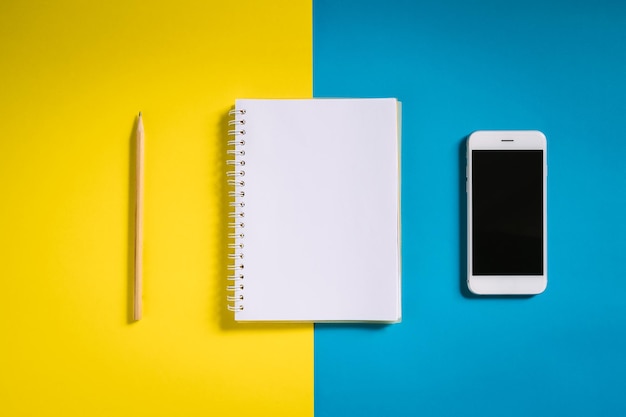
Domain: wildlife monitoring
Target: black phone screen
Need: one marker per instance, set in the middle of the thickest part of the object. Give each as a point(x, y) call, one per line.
point(507, 208)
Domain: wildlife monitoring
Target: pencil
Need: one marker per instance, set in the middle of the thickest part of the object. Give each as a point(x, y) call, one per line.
point(138, 218)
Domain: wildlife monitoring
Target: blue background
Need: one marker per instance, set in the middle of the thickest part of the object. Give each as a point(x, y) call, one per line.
point(460, 66)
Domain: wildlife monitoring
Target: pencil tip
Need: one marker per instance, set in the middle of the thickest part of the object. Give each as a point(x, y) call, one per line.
point(139, 114)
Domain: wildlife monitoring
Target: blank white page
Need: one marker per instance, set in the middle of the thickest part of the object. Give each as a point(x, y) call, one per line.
point(322, 210)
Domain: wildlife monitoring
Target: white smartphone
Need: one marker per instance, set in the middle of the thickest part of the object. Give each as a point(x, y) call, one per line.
point(506, 212)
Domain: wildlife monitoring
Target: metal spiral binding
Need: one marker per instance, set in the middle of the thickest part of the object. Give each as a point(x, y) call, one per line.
point(236, 216)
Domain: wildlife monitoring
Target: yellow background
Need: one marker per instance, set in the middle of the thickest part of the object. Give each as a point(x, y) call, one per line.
point(74, 75)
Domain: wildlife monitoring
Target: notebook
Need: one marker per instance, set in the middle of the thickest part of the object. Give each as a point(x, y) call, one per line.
point(315, 220)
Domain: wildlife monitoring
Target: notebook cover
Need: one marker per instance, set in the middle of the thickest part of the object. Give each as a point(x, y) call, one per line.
point(321, 210)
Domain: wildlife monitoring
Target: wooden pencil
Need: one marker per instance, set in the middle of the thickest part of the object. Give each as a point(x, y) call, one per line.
point(139, 219)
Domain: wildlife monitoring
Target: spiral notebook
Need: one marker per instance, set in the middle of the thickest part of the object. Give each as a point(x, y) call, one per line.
point(315, 220)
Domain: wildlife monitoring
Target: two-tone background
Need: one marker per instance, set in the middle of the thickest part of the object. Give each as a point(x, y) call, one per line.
point(73, 76)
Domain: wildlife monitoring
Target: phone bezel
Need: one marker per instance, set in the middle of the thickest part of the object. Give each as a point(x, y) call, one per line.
point(506, 284)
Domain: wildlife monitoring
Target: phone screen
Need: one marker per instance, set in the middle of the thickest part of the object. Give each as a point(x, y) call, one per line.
point(507, 212)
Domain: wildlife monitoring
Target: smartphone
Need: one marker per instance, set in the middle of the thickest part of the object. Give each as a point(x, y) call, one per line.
point(506, 212)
